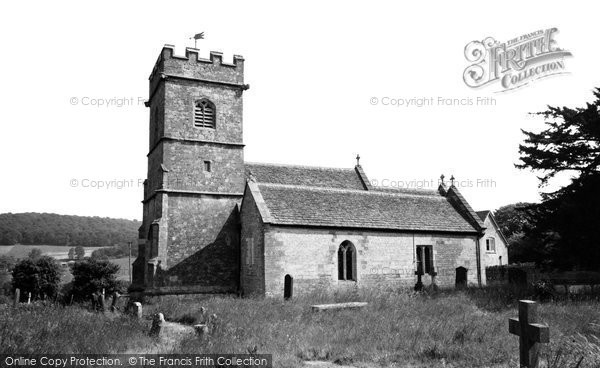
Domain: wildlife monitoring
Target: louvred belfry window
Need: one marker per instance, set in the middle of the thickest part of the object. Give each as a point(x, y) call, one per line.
point(204, 114)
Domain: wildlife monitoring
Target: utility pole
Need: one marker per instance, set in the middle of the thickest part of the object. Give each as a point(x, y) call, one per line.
point(130, 276)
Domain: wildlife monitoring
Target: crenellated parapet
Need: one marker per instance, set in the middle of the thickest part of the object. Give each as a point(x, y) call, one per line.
point(193, 67)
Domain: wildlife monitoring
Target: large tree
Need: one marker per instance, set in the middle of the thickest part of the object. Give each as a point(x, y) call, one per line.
point(514, 221)
point(566, 225)
point(90, 276)
point(39, 276)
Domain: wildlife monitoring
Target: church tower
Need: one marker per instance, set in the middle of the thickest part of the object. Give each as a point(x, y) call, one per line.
point(189, 238)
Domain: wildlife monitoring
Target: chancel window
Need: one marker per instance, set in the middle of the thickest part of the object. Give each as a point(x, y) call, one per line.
point(424, 259)
point(204, 114)
point(347, 261)
point(490, 245)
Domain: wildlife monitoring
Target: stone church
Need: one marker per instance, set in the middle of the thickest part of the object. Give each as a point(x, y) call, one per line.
point(213, 223)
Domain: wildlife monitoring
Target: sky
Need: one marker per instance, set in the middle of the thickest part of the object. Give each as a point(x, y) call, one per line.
point(320, 74)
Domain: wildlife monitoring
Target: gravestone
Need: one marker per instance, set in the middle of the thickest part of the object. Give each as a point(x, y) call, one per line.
point(157, 323)
point(137, 310)
point(17, 296)
point(530, 333)
point(201, 330)
point(101, 303)
point(115, 300)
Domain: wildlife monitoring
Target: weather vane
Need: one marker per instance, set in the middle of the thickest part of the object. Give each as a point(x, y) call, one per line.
point(197, 36)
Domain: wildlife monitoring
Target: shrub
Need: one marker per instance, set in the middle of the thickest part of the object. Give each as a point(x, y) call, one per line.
point(543, 290)
point(91, 276)
point(40, 276)
point(7, 263)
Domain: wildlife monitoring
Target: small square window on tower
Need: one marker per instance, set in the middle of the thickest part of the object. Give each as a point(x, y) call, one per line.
point(207, 166)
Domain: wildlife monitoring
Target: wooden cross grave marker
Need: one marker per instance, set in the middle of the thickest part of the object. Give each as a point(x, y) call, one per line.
point(530, 333)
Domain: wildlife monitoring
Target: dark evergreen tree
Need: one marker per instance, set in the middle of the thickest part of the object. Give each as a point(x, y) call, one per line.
point(566, 226)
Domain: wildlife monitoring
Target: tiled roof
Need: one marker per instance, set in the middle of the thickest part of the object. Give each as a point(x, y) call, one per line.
point(407, 191)
point(312, 206)
point(462, 206)
point(483, 214)
point(305, 175)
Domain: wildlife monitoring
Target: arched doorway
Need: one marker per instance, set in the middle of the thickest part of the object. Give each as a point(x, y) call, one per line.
point(288, 287)
point(461, 277)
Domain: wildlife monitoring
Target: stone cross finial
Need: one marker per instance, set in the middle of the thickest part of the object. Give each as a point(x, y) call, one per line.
point(452, 180)
point(442, 179)
point(530, 333)
point(357, 160)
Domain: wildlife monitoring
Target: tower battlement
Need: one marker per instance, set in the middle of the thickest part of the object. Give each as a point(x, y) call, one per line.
point(192, 66)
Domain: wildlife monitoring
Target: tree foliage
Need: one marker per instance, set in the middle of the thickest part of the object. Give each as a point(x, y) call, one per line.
point(7, 263)
point(79, 252)
point(91, 276)
point(53, 229)
point(39, 276)
point(118, 251)
point(564, 227)
point(35, 253)
point(514, 221)
point(570, 142)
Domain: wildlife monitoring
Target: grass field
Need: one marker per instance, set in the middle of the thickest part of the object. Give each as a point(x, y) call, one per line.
point(447, 329)
point(123, 267)
point(57, 251)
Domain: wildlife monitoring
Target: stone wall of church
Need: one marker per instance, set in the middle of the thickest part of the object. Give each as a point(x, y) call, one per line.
point(252, 266)
point(202, 247)
point(186, 171)
point(384, 259)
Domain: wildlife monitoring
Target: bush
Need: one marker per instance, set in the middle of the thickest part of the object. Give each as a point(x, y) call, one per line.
point(40, 276)
point(7, 263)
point(543, 290)
point(91, 276)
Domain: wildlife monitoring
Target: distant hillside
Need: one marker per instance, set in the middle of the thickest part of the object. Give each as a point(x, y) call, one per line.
point(53, 229)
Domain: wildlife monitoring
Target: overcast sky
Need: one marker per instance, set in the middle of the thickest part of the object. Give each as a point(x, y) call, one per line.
point(313, 69)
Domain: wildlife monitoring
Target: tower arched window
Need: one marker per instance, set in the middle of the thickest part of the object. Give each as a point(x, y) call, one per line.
point(204, 114)
point(347, 261)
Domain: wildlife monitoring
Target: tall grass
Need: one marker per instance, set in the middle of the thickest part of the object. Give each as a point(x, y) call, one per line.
point(444, 329)
point(466, 329)
point(53, 329)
